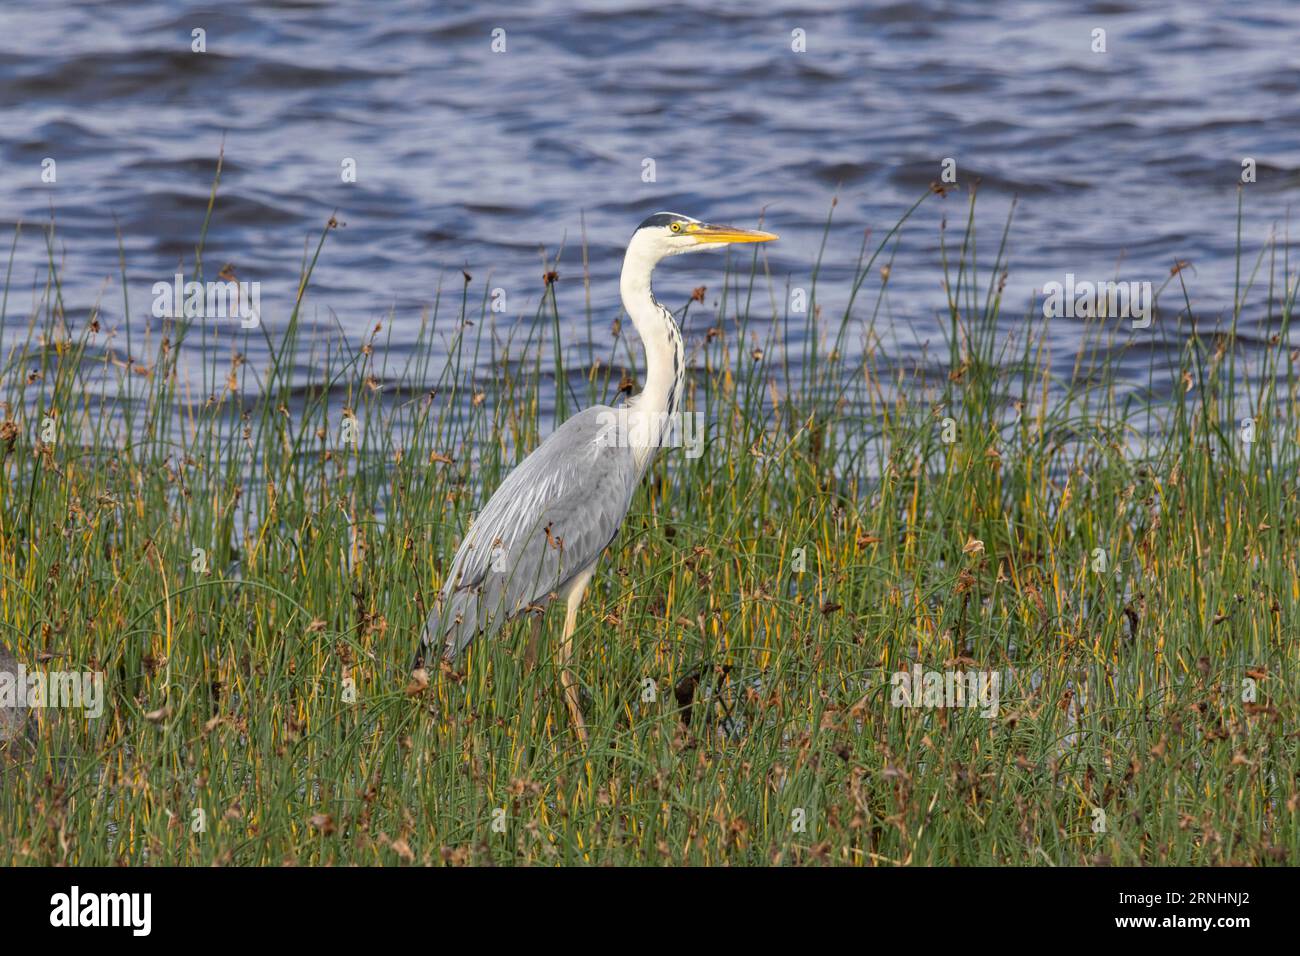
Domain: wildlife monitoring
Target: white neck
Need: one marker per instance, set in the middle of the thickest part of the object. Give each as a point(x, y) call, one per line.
point(660, 337)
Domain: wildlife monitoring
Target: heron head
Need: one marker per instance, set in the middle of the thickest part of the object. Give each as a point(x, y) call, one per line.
point(670, 233)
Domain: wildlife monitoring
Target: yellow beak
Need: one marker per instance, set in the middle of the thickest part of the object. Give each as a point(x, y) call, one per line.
point(708, 232)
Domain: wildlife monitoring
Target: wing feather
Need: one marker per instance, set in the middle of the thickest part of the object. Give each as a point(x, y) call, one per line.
point(549, 520)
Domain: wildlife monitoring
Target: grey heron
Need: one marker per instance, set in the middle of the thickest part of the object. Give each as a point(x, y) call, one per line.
point(542, 532)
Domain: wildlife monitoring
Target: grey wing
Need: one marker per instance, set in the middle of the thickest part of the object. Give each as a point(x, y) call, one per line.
point(549, 520)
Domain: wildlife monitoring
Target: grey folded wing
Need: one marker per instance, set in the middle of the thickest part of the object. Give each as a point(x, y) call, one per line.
point(549, 520)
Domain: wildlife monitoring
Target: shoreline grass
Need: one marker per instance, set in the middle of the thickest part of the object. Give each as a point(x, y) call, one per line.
point(267, 696)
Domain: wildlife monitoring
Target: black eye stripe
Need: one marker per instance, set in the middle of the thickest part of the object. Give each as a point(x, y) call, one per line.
point(663, 219)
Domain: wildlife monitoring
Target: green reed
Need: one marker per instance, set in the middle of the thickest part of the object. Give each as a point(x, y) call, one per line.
point(738, 642)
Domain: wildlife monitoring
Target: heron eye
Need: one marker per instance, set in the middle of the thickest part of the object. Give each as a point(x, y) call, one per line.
point(676, 227)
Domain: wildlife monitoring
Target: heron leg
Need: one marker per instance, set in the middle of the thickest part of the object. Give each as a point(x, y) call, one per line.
point(534, 639)
point(574, 598)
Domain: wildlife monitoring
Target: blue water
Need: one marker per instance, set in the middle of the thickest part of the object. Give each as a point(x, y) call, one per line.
point(1124, 161)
